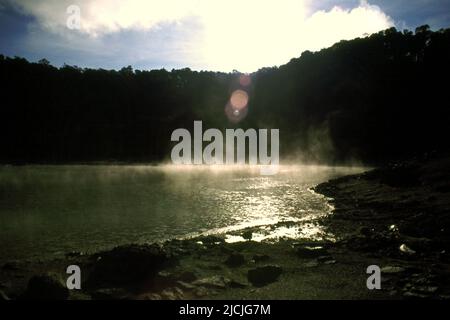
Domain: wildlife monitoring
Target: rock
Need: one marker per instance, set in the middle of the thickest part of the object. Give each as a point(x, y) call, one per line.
point(172, 294)
point(365, 231)
point(201, 292)
point(10, 266)
point(330, 262)
point(235, 260)
point(392, 269)
point(311, 264)
point(311, 252)
point(405, 249)
point(414, 295)
point(237, 285)
point(262, 276)
point(324, 258)
point(213, 267)
point(74, 254)
point(153, 296)
point(109, 294)
point(211, 240)
point(128, 265)
point(216, 282)
point(3, 296)
point(46, 287)
point(260, 258)
point(165, 278)
point(247, 235)
point(185, 285)
point(186, 276)
point(425, 289)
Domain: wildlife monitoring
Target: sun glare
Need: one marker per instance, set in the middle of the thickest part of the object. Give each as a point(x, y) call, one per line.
point(245, 35)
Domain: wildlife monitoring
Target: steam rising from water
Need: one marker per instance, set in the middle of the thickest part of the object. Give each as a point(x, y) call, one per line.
point(48, 210)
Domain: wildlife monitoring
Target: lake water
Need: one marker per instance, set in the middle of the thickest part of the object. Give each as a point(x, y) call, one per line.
point(51, 210)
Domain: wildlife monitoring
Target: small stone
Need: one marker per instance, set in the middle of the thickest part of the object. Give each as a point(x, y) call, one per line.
point(247, 235)
point(237, 285)
point(365, 231)
point(235, 260)
point(426, 289)
point(153, 296)
point(74, 254)
point(109, 294)
point(10, 266)
point(172, 294)
point(413, 295)
point(311, 264)
point(405, 249)
point(330, 262)
point(186, 286)
point(201, 292)
point(217, 282)
point(392, 269)
point(324, 258)
point(260, 258)
point(311, 252)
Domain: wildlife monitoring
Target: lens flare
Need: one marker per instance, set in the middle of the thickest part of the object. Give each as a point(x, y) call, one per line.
point(245, 80)
point(239, 99)
point(235, 115)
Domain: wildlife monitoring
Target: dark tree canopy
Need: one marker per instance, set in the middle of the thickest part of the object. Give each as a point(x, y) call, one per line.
point(374, 99)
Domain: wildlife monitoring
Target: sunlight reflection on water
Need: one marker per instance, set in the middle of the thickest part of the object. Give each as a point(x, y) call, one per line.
point(47, 210)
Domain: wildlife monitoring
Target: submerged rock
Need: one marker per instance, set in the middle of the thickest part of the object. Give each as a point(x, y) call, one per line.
point(46, 287)
point(262, 276)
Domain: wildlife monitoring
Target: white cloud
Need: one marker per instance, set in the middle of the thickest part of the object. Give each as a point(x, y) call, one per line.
point(267, 33)
point(234, 34)
point(105, 16)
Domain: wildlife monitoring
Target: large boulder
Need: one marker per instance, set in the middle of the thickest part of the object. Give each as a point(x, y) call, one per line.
point(46, 287)
point(262, 276)
point(126, 266)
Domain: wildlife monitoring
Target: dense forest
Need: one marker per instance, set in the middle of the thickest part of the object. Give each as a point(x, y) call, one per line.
point(372, 99)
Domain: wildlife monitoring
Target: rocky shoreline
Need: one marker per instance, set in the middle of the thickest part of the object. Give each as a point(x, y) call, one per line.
point(397, 217)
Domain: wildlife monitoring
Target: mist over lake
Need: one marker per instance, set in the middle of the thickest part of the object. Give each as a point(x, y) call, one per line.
point(51, 210)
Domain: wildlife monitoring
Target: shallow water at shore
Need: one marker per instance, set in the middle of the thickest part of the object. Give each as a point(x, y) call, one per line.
point(51, 210)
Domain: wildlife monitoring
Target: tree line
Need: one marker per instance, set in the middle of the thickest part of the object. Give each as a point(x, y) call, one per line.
point(373, 99)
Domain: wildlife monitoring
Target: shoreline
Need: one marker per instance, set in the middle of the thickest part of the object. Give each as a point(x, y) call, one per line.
point(381, 217)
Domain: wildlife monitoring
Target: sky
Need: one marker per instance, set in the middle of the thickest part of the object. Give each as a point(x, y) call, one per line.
point(216, 35)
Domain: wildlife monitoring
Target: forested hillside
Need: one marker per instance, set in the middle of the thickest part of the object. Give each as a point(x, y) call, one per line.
point(371, 99)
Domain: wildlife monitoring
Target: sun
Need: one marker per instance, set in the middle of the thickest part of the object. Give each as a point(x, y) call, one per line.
point(247, 35)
